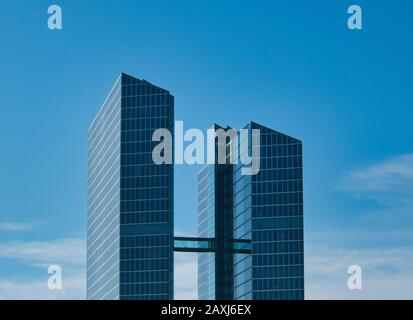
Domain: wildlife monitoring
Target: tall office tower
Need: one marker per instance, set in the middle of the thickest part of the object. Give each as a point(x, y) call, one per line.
point(215, 272)
point(265, 209)
point(130, 199)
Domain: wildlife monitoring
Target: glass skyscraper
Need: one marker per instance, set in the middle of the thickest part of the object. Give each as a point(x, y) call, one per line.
point(250, 227)
point(130, 199)
point(264, 209)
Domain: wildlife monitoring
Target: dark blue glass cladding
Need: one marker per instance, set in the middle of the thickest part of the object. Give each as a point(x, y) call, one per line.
point(277, 219)
point(146, 208)
point(130, 199)
point(266, 209)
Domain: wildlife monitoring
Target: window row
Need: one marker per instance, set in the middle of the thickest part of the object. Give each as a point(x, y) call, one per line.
point(146, 182)
point(145, 288)
point(154, 276)
point(278, 284)
point(278, 186)
point(277, 235)
point(280, 295)
point(278, 211)
point(278, 223)
point(145, 111)
point(137, 135)
point(278, 198)
point(154, 296)
point(142, 88)
point(138, 147)
point(148, 264)
point(278, 259)
point(145, 194)
point(136, 159)
point(145, 253)
point(278, 272)
point(278, 247)
point(144, 205)
point(276, 137)
point(145, 217)
point(147, 123)
point(285, 150)
point(142, 170)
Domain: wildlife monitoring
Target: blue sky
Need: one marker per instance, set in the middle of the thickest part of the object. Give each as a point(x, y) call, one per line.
point(290, 65)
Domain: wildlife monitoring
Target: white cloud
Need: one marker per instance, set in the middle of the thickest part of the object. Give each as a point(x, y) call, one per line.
point(384, 175)
point(185, 272)
point(389, 182)
point(185, 276)
point(63, 251)
point(73, 289)
point(382, 235)
point(70, 254)
point(183, 234)
point(12, 226)
point(387, 273)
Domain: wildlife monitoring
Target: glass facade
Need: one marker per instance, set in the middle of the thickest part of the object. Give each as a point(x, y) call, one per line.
point(130, 211)
point(103, 243)
point(266, 209)
point(277, 219)
point(215, 272)
point(206, 229)
point(250, 228)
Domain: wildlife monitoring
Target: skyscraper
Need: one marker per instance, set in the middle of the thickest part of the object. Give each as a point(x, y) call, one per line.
point(130, 199)
point(250, 240)
point(264, 209)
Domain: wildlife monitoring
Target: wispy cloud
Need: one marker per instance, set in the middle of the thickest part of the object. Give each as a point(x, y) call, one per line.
point(70, 251)
point(387, 273)
point(183, 234)
point(380, 240)
point(185, 274)
point(12, 226)
point(388, 182)
point(70, 254)
point(36, 289)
